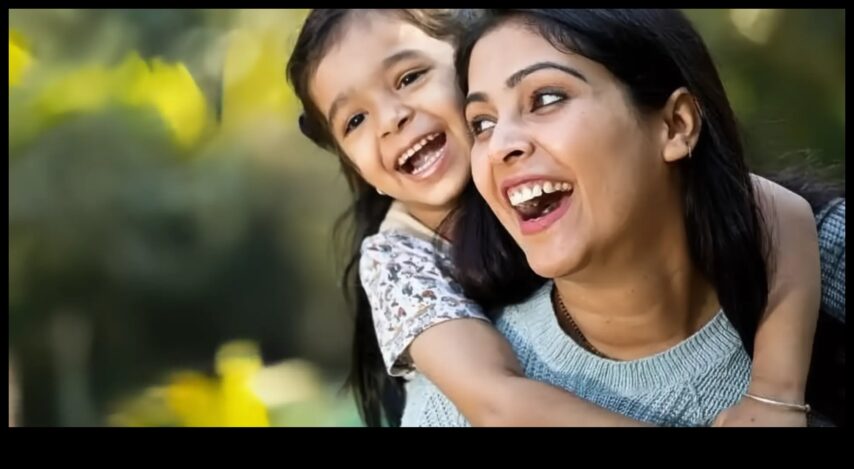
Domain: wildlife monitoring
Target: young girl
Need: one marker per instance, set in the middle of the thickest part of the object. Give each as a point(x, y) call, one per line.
point(379, 90)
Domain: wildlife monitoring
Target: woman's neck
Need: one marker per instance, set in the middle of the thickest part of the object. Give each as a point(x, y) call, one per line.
point(653, 301)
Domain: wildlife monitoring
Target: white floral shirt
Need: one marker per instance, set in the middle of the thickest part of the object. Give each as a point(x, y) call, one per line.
point(408, 290)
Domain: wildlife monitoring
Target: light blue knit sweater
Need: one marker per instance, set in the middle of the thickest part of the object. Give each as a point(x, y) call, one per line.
point(687, 385)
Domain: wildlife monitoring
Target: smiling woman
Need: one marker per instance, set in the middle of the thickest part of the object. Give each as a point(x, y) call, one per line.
point(656, 243)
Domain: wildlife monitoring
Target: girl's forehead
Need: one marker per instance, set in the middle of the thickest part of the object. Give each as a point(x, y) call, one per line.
point(365, 50)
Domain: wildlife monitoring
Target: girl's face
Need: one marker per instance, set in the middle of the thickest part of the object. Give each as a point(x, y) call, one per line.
point(389, 94)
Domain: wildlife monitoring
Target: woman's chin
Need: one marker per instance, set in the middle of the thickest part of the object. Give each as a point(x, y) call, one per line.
point(550, 266)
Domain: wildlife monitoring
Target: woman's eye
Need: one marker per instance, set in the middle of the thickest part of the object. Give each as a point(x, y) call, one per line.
point(546, 98)
point(480, 125)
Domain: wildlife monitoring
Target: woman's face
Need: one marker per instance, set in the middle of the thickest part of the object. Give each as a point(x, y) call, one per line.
point(570, 167)
point(389, 94)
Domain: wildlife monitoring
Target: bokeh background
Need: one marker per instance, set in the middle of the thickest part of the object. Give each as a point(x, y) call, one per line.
point(170, 253)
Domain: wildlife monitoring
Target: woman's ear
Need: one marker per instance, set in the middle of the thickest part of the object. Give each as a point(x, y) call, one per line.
point(681, 116)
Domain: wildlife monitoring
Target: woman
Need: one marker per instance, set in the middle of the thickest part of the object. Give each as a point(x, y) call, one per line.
point(607, 149)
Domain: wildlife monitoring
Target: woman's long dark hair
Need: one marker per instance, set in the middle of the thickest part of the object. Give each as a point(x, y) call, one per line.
point(652, 53)
point(377, 394)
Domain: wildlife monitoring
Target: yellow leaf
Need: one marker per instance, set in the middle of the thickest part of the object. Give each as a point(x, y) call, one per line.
point(167, 88)
point(171, 90)
point(254, 82)
point(19, 59)
point(194, 398)
point(85, 89)
point(174, 93)
point(237, 364)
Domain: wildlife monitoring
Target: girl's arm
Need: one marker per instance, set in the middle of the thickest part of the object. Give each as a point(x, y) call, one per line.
point(423, 321)
point(784, 339)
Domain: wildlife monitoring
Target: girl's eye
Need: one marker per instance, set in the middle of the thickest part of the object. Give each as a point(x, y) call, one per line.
point(353, 123)
point(410, 78)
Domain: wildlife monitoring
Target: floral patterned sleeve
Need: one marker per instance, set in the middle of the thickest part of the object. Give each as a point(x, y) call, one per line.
point(408, 293)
